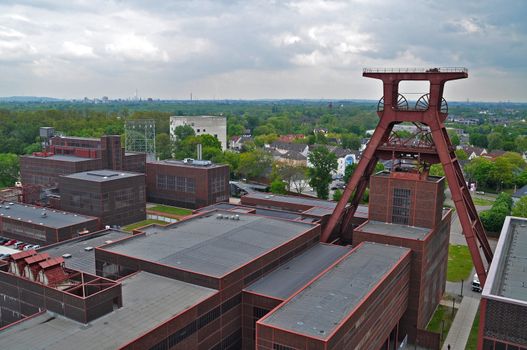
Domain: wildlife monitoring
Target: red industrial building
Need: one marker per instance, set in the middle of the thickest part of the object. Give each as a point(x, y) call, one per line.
point(115, 197)
point(503, 308)
point(406, 209)
point(257, 275)
point(188, 183)
point(68, 155)
point(43, 226)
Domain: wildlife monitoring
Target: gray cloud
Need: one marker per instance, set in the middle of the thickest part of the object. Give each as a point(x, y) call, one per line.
point(256, 49)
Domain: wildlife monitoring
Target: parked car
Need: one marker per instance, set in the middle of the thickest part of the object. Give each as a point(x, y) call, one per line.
point(476, 286)
point(10, 242)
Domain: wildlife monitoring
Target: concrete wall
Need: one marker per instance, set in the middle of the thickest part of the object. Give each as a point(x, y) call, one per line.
point(211, 125)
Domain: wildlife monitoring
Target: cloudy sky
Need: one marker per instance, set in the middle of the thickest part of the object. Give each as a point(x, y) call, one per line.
point(257, 49)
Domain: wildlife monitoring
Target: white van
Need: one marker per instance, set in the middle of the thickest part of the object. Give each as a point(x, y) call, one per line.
point(476, 287)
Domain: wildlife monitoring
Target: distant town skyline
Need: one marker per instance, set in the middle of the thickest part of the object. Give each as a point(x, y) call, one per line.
point(257, 49)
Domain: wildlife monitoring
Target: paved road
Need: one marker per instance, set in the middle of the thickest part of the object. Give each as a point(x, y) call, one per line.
point(460, 330)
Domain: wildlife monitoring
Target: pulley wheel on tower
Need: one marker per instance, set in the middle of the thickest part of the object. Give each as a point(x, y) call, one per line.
point(424, 101)
point(402, 104)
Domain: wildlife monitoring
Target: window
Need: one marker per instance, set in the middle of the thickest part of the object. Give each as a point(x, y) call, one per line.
point(281, 347)
point(197, 130)
point(401, 206)
point(204, 130)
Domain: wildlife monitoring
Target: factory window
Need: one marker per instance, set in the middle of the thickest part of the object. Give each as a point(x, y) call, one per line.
point(124, 198)
point(281, 347)
point(162, 182)
point(197, 130)
point(401, 206)
point(218, 184)
point(20, 228)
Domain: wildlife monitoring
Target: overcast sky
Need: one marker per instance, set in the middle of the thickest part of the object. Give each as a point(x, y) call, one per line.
point(257, 49)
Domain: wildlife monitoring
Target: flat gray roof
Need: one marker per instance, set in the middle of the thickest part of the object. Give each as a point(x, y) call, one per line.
point(395, 230)
point(258, 211)
point(81, 259)
point(102, 175)
point(180, 163)
point(297, 272)
point(320, 207)
point(314, 202)
point(54, 218)
point(319, 308)
point(148, 301)
point(507, 277)
point(61, 157)
point(208, 245)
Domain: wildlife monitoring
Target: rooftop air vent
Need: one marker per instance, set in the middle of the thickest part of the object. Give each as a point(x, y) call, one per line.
point(219, 216)
point(88, 249)
point(66, 256)
point(43, 214)
point(7, 207)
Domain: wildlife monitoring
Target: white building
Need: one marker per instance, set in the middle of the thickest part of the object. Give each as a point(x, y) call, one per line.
point(203, 124)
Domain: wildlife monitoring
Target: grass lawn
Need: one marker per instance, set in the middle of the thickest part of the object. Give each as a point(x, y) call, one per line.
point(443, 313)
point(459, 263)
point(171, 210)
point(472, 342)
point(142, 223)
point(482, 201)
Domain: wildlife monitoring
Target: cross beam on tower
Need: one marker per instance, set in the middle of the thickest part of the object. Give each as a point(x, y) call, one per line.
point(433, 146)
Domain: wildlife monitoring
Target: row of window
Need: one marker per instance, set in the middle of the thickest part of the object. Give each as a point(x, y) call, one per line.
point(185, 332)
point(218, 184)
point(401, 206)
point(23, 230)
point(176, 183)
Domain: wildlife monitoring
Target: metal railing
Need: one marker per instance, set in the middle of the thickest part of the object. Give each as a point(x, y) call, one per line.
point(417, 70)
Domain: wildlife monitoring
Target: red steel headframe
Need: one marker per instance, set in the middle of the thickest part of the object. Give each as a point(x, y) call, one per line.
point(432, 114)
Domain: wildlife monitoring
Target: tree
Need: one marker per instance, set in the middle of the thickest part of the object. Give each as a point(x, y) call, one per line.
point(348, 171)
point(323, 164)
point(495, 141)
point(233, 160)
point(337, 195)
point(9, 168)
point(163, 146)
point(278, 186)
point(454, 138)
point(298, 180)
point(494, 218)
point(461, 154)
point(254, 164)
point(183, 131)
point(479, 140)
point(520, 208)
point(350, 141)
point(521, 143)
point(437, 170)
point(288, 171)
point(478, 170)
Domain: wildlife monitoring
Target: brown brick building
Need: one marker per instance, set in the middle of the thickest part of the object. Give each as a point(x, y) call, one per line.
point(116, 197)
point(406, 210)
point(190, 183)
point(68, 155)
point(43, 226)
